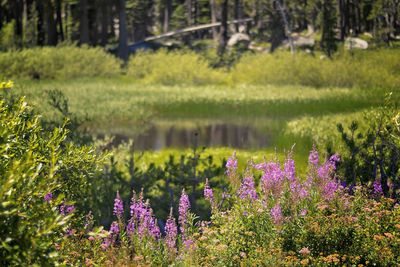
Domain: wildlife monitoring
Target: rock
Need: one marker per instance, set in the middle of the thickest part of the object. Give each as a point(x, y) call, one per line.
point(355, 43)
point(300, 41)
point(241, 39)
point(253, 46)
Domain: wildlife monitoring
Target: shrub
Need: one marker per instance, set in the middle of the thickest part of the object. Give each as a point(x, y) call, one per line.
point(364, 69)
point(58, 63)
point(38, 171)
point(175, 67)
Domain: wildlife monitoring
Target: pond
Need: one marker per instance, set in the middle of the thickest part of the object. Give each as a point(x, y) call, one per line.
point(213, 134)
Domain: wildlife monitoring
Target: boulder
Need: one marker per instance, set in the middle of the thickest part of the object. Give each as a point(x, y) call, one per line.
point(239, 39)
point(355, 43)
point(300, 41)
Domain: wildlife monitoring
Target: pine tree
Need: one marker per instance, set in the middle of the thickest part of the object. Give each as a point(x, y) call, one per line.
point(328, 24)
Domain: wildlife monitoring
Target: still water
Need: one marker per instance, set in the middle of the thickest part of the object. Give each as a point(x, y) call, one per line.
point(157, 137)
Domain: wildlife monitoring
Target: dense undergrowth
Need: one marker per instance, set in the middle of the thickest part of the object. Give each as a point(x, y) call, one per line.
point(265, 214)
point(377, 68)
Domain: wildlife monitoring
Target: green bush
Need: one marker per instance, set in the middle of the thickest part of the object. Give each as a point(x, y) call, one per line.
point(58, 63)
point(363, 69)
point(34, 163)
point(176, 67)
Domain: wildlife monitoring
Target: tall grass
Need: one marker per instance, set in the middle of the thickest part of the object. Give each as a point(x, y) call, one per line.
point(176, 67)
point(363, 69)
point(58, 63)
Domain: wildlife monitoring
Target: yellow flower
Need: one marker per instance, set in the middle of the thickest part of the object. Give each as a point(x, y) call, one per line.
point(5, 85)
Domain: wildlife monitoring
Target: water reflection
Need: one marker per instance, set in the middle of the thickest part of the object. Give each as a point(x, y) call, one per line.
point(212, 135)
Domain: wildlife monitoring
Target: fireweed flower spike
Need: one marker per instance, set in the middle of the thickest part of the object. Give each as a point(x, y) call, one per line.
point(184, 206)
point(208, 194)
point(231, 171)
point(171, 231)
point(276, 214)
point(247, 189)
point(118, 206)
point(48, 197)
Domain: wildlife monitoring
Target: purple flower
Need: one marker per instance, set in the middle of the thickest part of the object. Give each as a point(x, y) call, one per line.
point(184, 206)
point(189, 244)
point(48, 197)
point(272, 179)
point(276, 214)
point(231, 165)
point(171, 231)
point(313, 158)
point(225, 195)
point(114, 228)
point(130, 228)
point(378, 188)
point(247, 189)
point(153, 229)
point(289, 169)
point(66, 209)
point(208, 193)
point(88, 220)
point(303, 212)
point(118, 206)
point(330, 189)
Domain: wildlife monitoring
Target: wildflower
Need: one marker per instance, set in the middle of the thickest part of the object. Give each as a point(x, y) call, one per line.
point(114, 228)
point(276, 214)
point(189, 244)
point(247, 189)
point(130, 228)
point(171, 231)
point(66, 209)
point(118, 206)
point(304, 251)
point(225, 195)
point(208, 193)
point(5, 85)
point(272, 179)
point(289, 169)
point(88, 220)
point(48, 197)
point(231, 164)
point(184, 206)
point(378, 188)
point(313, 158)
point(330, 190)
point(153, 229)
point(303, 212)
point(231, 171)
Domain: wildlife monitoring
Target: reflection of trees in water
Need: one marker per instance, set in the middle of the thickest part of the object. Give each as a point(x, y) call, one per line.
point(213, 135)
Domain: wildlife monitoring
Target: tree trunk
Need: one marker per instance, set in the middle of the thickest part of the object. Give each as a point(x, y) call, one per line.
point(167, 15)
point(213, 7)
point(223, 38)
point(51, 25)
point(340, 20)
point(104, 22)
point(59, 21)
point(84, 34)
point(123, 48)
point(40, 22)
point(238, 13)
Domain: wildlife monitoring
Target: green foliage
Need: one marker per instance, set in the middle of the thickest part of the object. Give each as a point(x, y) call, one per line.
point(7, 36)
point(328, 41)
point(33, 164)
point(175, 67)
point(364, 69)
point(58, 63)
point(372, 155)
point(162, 181)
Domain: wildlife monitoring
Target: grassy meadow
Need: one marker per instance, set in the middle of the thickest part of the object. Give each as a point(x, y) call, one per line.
point(264, 206)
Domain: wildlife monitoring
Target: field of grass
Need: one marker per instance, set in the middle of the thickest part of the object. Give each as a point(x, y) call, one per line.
point(291, 113)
